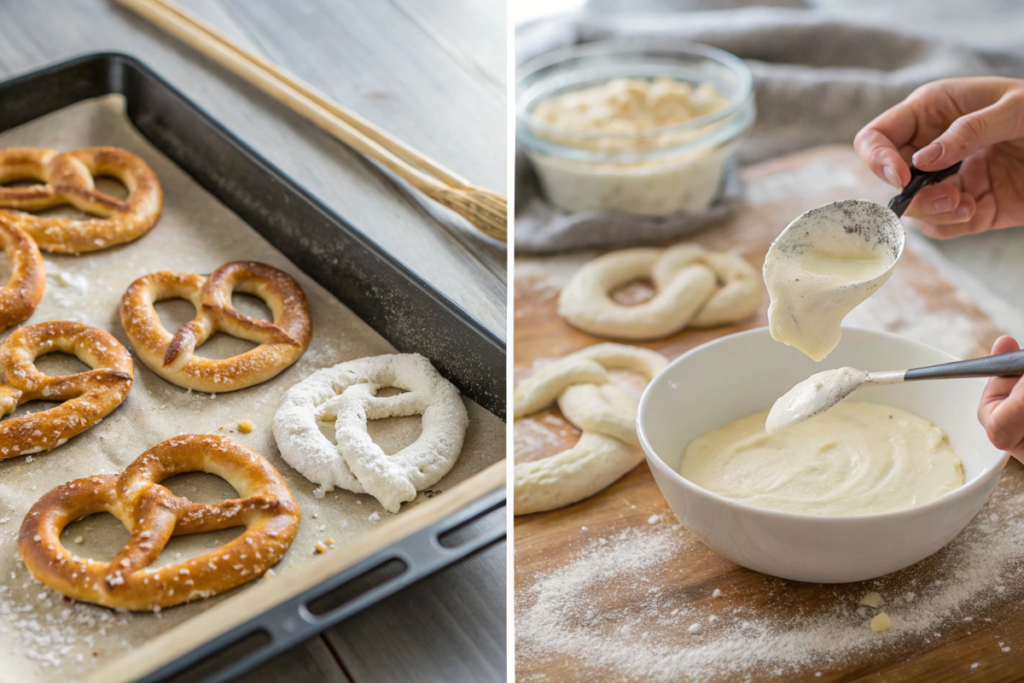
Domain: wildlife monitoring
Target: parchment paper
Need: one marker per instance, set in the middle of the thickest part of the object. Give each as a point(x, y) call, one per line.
point(44, 637)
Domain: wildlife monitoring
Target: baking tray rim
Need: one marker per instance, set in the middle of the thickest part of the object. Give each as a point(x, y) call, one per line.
point(174, 645)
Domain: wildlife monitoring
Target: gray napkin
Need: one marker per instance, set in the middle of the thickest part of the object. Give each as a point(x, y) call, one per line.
point(818, 80)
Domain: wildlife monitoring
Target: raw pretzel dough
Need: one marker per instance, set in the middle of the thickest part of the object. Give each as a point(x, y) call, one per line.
point(694, 288)
point(608, 447)
point(346, 393)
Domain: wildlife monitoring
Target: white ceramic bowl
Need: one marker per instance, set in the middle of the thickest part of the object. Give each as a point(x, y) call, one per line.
point(744, 373)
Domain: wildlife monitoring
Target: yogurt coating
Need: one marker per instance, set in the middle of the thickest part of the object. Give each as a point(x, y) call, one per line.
point(629, 127)
point(814, 395)
point(628, 106)
point(856, 459)
point(823, 265)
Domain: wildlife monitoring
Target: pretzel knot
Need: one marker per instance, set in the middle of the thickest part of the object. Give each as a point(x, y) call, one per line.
point(24, 289)
point(87, 397)
point(69, 178)
point(693, 288)
point(153, 515)
point(281, 342)
point(347, 395)
point(608, 447)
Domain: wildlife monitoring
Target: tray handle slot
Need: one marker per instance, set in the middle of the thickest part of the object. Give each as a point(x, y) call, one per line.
point(482, 525)
point(349, 591)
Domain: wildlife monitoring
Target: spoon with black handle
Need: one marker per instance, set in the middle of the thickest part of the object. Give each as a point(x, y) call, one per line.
point(820, 392)
point(919, 179)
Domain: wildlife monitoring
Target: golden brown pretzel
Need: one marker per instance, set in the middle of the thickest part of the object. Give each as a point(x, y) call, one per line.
point(281, 342)
point(24, 289)
point(153, 514)
point(68, 178)
point(87, 397)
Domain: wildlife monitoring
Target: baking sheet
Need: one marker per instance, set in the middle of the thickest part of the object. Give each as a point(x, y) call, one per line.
point(44, 637)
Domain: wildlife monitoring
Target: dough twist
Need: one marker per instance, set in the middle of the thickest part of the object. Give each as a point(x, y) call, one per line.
point(693, 288)
point(607, 449)
point(87, 397)
point(69, 178)
point(153, 515)
point(346, 394)
point(281, 342)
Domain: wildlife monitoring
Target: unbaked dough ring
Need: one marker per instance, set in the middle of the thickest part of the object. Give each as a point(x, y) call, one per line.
point(693, 288)
point(608, 447)
point(346, 393)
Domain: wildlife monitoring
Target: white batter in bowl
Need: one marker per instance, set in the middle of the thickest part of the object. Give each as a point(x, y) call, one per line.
point(744, 373)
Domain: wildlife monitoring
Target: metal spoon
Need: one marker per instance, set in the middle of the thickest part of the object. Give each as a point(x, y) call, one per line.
point(868, 220)
point(820, 392)
point(806, 312)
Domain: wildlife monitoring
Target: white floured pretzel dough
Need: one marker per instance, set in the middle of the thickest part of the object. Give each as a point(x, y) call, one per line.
point(346, 394)
point(693, 288)
point(608, 447)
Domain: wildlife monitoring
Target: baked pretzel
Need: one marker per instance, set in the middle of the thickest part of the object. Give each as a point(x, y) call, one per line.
point(24, 289)
point(281, 342)
point(87, 397)
point(153, 514)
point(69, 178)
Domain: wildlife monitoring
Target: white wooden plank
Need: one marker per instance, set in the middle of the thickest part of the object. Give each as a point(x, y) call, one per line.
point(474, 32)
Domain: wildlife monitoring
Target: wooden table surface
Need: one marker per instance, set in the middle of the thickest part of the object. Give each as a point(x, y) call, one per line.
point(433, 73)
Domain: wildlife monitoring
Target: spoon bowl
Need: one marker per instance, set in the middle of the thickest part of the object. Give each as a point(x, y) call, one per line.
point(824, 264)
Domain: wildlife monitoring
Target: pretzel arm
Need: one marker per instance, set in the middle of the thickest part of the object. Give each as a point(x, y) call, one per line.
point(258, 331)
point(67, 387)
point(153, 528)
point(199, 518)
point(184, 342)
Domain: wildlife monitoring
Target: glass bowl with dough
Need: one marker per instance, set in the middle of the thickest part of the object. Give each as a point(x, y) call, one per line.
point(619, 127)
point(850, 515)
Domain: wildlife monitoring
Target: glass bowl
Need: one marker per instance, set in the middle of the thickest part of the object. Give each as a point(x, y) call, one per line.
point(654, 173)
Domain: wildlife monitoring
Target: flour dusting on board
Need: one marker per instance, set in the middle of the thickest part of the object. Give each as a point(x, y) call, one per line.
point(609, 613)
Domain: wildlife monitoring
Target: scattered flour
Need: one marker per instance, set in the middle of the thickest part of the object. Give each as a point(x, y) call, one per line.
point(609, 612)
point(900, 308)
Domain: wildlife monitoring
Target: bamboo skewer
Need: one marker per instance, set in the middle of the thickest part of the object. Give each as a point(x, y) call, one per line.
point(485, 209)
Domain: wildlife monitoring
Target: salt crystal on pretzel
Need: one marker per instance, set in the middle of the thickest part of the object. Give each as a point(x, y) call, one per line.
point(346, 394)
point(281, 342)
point(153, 514)
point(87, 397)
point(69, 178)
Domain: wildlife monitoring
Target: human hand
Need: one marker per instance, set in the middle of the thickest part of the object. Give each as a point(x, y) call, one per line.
point(1001, 412)
point(979, 121)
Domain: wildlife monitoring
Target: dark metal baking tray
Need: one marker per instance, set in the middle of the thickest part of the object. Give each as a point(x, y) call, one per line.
point(397, 303)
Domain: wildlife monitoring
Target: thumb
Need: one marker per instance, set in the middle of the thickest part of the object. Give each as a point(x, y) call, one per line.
point(996, 123)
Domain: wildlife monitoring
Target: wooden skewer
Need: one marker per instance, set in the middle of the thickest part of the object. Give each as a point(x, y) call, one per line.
point(485, 209)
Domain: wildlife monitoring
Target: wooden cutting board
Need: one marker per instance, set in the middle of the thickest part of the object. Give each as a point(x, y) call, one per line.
point(917, 302)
